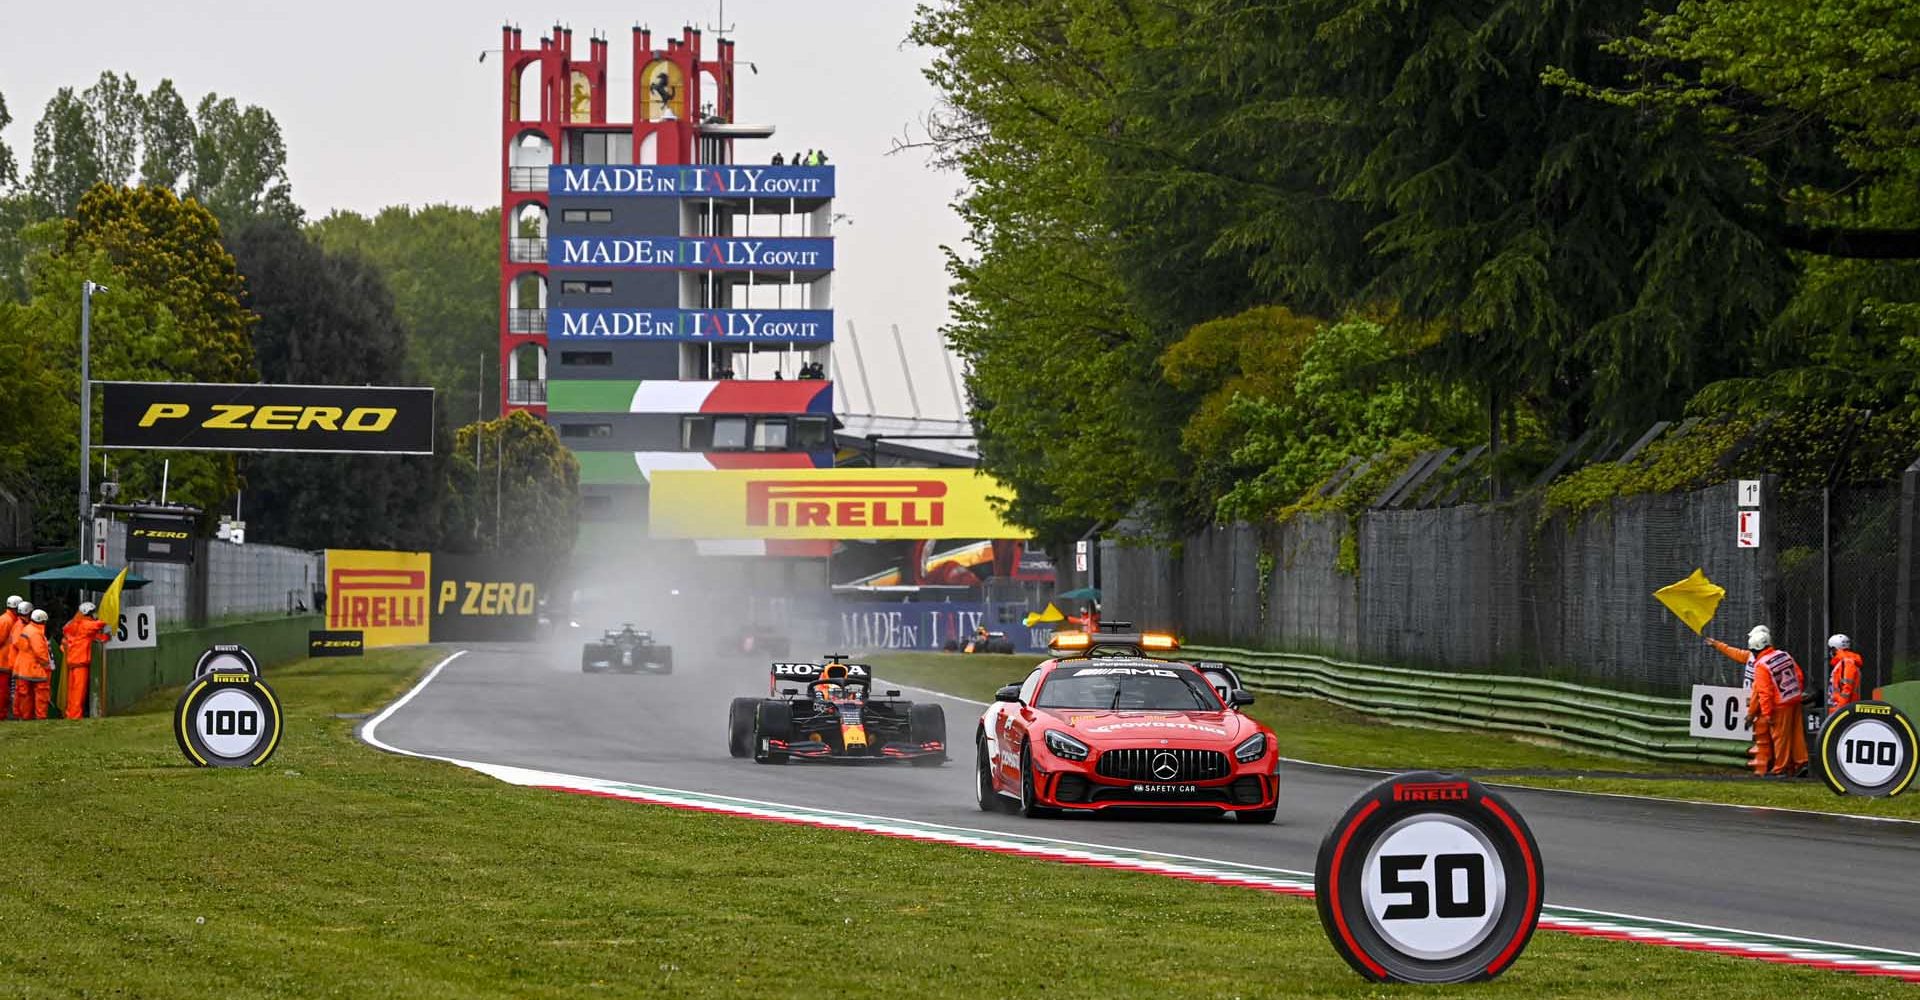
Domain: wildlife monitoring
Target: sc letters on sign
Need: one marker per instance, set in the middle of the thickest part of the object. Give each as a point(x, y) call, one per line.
point(136, 628)
point(1719, 713)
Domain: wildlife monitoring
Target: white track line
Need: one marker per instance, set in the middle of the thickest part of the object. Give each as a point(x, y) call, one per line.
point(368, 733)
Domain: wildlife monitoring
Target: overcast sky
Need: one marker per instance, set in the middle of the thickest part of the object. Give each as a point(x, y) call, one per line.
point(388, 103)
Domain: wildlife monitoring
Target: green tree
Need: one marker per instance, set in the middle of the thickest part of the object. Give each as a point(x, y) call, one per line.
point(9, 167)
point(240, 162)
point(442, 264)
point(166, 138)
point(117, 109)
point(522, 497)
point(66, 158)
point(327, 319)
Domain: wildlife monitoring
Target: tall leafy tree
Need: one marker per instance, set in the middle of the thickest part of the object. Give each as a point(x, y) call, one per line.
point(522, 496)
point(9, 167)
point(441, 264)
point(327, 319)
point(66, 158)
point(240, 162)
point(116, 107)
point(166, 138)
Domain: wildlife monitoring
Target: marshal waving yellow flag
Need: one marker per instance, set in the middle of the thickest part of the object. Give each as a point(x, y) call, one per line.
point(110, 601)
point(1693, 599)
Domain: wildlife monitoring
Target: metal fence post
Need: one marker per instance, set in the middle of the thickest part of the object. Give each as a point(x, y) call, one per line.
point(1905, 597)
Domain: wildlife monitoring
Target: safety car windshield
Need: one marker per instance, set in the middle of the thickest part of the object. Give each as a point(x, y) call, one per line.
point(1136, 688)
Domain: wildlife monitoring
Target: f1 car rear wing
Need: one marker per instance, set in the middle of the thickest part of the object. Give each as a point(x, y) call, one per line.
point(832, 670)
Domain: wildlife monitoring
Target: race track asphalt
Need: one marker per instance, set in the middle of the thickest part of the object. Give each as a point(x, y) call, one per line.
point(1810, 876)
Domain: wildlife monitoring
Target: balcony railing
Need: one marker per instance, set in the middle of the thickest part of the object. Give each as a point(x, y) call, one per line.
point(526, 392)
point(524, 250)
point(526, 178)
point(526, 321)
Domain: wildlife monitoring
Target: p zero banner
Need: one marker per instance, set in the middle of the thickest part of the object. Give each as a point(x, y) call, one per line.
point(227, 417)
point(673, 253)
point(160, 539)
point(329, 642)
point(483, 598)
point(806, 326)
point(826, 503)
point(382, 595)
point(706, 181)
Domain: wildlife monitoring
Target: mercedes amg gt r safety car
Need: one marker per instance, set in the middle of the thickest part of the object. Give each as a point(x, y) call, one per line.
point(1106, 724)
point(626, 650)
point(826, 711)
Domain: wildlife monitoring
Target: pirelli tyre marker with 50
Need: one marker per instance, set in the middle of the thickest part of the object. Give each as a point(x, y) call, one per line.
point(1868, 748)
point(228, 716)
point(1429, 878)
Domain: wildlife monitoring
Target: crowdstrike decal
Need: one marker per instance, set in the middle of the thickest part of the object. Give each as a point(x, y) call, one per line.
point(786, 326)
point(667, 253)
point(1189, 726)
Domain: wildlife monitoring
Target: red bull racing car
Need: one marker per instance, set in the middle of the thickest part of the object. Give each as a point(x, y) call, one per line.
point(1106, 724)
point(826, 711)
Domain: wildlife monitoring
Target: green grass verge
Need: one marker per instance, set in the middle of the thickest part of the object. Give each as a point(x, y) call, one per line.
point(340, 871)
point(1315, 730)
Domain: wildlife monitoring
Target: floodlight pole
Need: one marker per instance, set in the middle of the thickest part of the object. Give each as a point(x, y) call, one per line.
point(87, 288)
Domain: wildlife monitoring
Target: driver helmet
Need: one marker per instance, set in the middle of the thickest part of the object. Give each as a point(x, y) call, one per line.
point(829, 691)
point(86, 607)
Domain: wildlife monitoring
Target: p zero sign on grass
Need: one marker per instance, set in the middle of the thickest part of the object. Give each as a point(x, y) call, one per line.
point(231, 417)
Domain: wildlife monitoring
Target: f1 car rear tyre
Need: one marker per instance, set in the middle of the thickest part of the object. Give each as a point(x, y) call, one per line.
point(1030, 806)
point(1000, 646)
point(927, 724)
point(740, 727)
point(772, 720)
point(663, 655)
point(1257, 815)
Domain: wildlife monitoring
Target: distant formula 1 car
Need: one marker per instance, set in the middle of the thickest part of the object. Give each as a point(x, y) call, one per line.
point(825, 711)
point(626, 650)
point(756, 639)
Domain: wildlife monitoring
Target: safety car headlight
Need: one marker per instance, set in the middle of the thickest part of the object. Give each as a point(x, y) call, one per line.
point(1254, 748)
point(1065, 747)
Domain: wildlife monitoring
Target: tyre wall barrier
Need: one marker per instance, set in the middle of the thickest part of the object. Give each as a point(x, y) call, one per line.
point(132, 674)
point(1618, 722)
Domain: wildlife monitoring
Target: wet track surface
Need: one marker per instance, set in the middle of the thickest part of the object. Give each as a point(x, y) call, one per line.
point(1780, 873)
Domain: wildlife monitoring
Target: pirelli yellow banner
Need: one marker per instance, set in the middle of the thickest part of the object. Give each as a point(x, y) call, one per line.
point(380, 594)
point(826, 503)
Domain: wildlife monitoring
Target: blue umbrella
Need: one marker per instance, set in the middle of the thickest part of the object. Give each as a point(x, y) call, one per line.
point(1079, 594)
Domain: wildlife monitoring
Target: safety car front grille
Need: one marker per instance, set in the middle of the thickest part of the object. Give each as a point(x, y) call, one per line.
point(1146, 764)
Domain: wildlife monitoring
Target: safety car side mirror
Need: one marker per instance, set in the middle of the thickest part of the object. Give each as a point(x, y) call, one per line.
point(1240, 698)
point(893, 694)
point(1009, 693)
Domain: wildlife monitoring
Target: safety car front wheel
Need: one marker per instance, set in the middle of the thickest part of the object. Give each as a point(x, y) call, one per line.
point(1030, 806)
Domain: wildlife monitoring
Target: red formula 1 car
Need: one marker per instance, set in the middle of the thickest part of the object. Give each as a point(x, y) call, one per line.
point(826, 711)
point(1107, 724)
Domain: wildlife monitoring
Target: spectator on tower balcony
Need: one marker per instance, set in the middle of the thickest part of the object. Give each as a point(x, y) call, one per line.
point(778, 160)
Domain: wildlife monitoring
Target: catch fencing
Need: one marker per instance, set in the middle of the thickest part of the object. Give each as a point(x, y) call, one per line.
point(1506, 589)
point(225, 582)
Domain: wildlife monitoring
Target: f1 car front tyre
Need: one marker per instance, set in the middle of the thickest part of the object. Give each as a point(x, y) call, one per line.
point(927, 724)
point(740, 727)
point(591, 657)
point(772, 720)
point(1030, 806)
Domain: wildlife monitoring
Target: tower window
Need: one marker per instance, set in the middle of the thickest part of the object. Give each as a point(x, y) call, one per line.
point(586, 215)
point(586, 357)
point(586, 430)
point(586, 288)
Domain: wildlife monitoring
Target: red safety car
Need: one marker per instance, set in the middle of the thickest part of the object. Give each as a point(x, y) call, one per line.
point(1108, 724)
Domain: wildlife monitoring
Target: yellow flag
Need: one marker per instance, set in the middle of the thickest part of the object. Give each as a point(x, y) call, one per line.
point(1694, 599)
point(1051, 614)
point(110, 602)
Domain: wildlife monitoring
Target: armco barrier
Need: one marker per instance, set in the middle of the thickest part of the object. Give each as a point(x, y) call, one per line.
point(134, 673)
point(1634, 725)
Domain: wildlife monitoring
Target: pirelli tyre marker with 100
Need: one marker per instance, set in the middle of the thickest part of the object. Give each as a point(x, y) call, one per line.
point(227, 716)
point(1868, 748)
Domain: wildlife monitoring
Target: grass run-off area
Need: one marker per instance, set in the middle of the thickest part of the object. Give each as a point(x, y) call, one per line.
point(337, 870)
point(1329, 734)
